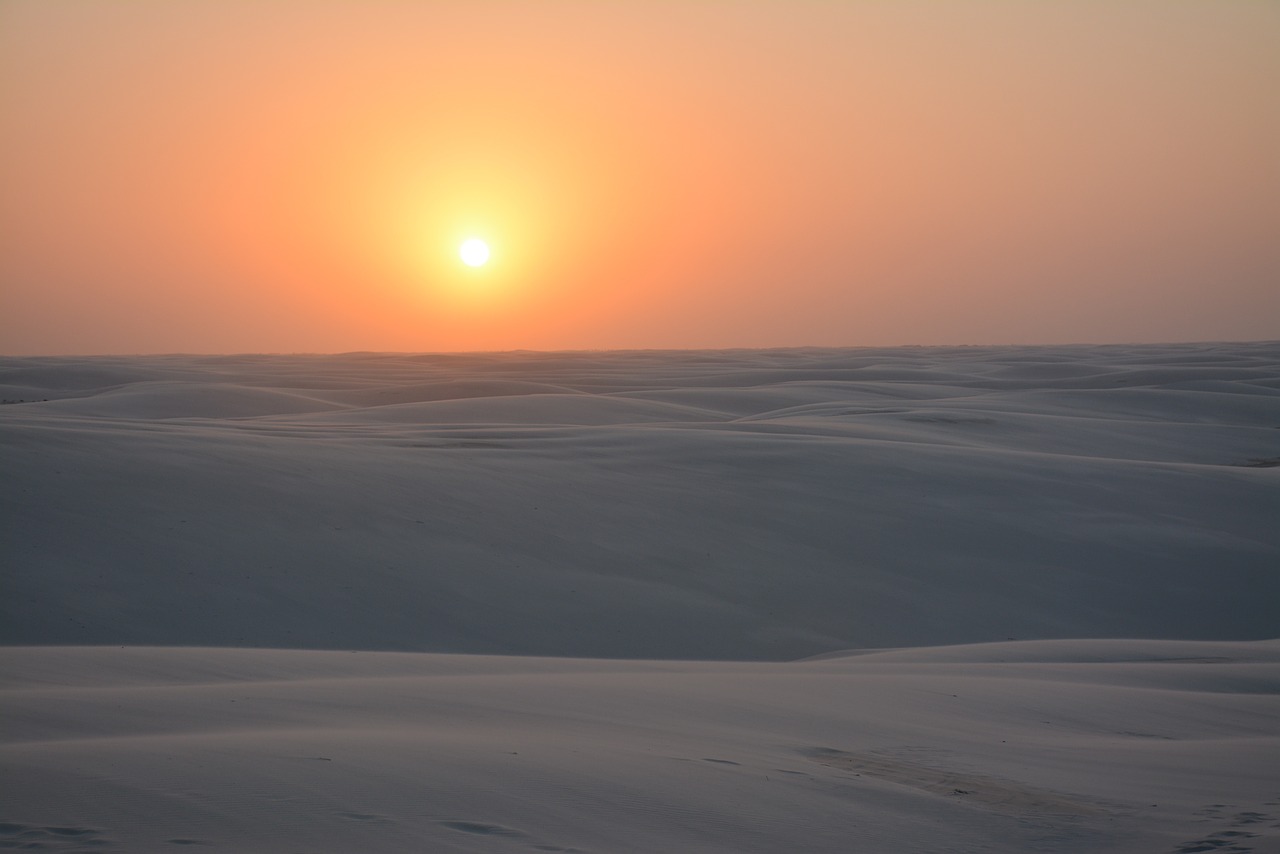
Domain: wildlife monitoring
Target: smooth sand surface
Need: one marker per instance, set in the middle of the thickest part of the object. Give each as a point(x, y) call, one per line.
point(603, 601)
point(697, 505)
point(1022, 746)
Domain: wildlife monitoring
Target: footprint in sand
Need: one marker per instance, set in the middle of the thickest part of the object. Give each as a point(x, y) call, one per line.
point(482, 828)
point(1261, 829)
point(1227, 842)
point(35, 837)
point(999, 795)
point(364, 816)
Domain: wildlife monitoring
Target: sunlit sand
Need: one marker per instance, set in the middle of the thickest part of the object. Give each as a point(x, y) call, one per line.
point(823, 600)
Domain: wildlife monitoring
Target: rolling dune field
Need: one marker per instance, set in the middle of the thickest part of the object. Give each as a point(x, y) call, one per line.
point(943, 599)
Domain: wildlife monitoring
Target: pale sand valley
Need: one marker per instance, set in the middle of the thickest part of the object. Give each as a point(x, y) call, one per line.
point(943, 599)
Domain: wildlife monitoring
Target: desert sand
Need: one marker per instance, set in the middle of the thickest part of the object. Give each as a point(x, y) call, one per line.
point(996, 599)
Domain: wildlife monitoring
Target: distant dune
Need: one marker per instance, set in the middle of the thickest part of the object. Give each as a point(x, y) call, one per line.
point(1000, 599)
point(732, 505)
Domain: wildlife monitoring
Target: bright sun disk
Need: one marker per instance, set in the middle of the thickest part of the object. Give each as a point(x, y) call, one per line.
point(474, 252)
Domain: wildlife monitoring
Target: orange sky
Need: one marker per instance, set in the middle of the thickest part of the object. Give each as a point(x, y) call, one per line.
point(295, 175)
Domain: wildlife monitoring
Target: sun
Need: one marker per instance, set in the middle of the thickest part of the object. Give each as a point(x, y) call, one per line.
point(474, 252)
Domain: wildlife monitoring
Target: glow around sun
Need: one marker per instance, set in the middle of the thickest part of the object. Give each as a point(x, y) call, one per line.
point(474, 252)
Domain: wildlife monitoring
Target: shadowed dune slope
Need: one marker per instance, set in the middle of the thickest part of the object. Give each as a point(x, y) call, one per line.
point(715, 505)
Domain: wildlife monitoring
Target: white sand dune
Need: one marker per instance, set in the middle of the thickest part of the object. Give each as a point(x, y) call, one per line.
point(1015, 747)
point(725, 505)
point(168, 399)
point(579, 584)
point(524, 409)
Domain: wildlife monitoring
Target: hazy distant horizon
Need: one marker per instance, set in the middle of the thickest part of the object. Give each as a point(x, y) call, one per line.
point(569, 350)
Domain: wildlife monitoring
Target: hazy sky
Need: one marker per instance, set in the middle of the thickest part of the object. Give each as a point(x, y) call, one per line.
point(296, 175)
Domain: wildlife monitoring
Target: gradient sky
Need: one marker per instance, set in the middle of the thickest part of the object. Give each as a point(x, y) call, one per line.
point(290, 176)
